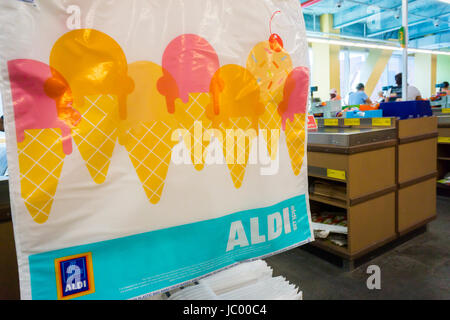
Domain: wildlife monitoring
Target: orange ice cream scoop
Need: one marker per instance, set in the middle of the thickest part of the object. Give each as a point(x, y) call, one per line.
point(93, 63)
point(235, 93)
point(146, 103)
point(58, 89)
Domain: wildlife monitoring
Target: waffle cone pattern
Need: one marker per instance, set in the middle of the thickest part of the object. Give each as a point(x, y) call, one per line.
point(149, 146)
point(41, 159)
point(187, 115)
point(96, 134)
point(295, 140)
point(271, 120)
point(237, 162)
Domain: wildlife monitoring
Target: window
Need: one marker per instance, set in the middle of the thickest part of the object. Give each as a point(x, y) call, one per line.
point(394, 66)
point(352, 65)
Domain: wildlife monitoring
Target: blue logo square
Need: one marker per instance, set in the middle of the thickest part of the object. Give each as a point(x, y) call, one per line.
point(74, 276)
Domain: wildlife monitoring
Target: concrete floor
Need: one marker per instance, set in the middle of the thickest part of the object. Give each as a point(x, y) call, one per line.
point(416, 269)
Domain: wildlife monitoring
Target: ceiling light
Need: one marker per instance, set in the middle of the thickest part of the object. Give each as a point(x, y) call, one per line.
point(373, 46)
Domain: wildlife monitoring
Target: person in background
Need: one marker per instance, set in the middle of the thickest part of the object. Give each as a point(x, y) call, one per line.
point(413, 92)
point(445, 89)
point(381, 97)
point(359, 97)
point(334, 95)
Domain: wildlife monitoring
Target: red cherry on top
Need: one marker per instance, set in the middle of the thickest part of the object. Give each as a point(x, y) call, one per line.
point(276, 43)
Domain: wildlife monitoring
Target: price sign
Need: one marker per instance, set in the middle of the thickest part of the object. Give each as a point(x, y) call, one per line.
point(336, 174)
point(352, 122)
point(381, 122)
point(331, 122)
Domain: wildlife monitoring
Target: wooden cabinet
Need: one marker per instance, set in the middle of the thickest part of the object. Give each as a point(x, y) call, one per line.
point(368, 174)
point(416, 172)
point(386, 188)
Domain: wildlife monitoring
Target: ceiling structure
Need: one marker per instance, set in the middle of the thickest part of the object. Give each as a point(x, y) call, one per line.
point(380, 20)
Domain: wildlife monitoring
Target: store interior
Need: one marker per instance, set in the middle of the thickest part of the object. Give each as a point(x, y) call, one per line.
point(378, 164)
point(413, 255)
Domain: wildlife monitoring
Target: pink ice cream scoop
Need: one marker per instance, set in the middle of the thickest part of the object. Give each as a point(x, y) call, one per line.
point(189, 62)
point(42, 100)
point(295, 97)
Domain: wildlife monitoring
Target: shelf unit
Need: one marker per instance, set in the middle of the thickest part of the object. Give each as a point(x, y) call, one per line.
point(416, 173)
point(368, 172)
point(390, 183)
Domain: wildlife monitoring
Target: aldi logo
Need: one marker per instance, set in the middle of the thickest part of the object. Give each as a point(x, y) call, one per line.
point(74, 276)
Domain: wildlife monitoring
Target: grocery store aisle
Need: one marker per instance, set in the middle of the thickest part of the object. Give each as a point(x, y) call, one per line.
point(416, 269)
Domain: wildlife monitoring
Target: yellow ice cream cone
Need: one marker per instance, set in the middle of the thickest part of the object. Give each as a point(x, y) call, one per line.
point(236, 105)
point(271, 120)
point(97, 132)
point(295, 140)
point(149, 146)
point(189, 117)
point(147, 132)
point(271, 69)
point(237, 146)
point(41, 159)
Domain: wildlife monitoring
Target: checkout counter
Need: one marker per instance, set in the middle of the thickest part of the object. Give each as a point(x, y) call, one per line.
point(372, 179)
point(351, 168)
point(323, 109)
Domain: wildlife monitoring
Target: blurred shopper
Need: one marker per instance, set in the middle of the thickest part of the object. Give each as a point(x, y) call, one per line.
point(334, 95)
point(359, 97)
point(413, 92)
point(445, 88)
point(381, 97)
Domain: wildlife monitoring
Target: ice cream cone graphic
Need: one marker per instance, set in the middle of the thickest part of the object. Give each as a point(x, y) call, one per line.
point(97, 134)
point(96, 69)
point(41, 159)
point(293, 112)
point(295, 140)
point(44, 120)
point(150, 146)
point(189, 63)
point(271, 69)
point(235, 110)
point(147, 132)
point(269, 62)
point(191, 116)
point(237, 145)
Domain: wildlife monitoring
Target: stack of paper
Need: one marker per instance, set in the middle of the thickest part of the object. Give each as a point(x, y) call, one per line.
point(246, 281)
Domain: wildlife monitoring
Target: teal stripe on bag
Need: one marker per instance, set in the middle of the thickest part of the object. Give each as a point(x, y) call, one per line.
point(136, 265)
